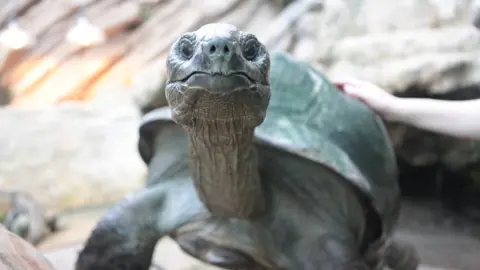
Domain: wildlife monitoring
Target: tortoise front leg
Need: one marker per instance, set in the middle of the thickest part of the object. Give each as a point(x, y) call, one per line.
point(328, 252)
point(126, 236)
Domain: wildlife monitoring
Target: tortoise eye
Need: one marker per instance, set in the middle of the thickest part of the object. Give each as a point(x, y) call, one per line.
point(250, 49)
point(186, 47)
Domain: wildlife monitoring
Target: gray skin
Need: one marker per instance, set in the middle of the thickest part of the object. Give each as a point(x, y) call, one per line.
point(26, 217)
point(227, 199)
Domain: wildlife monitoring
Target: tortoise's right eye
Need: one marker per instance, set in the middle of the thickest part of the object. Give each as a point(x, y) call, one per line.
point(186, 46)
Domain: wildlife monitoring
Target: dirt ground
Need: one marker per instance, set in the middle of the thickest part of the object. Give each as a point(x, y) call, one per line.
point(443, 242)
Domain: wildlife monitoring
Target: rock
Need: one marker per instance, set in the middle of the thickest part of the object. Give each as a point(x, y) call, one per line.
point(437, 60)
point(71, 154)
point(421, 148)
point(147, 92)
point(397, 45)
point(305, 36)
point(381, 16)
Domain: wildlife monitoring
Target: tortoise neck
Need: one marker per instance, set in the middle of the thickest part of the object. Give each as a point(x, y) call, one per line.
point(225, 170)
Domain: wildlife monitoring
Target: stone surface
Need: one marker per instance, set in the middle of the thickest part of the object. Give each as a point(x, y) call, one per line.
point(353, 18)
point(71, 154)
point(437, 60)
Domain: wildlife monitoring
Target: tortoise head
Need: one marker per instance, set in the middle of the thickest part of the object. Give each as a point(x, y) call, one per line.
point(218, 73)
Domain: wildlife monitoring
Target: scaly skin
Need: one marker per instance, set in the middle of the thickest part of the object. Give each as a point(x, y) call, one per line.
point(227, 200)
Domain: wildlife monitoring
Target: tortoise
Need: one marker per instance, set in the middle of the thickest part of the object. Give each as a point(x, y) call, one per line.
point(258, 162)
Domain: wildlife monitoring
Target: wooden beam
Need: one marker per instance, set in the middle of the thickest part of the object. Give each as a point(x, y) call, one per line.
point(117, 19)
point(14, 8)
point(154, 28)
point(285, 20)
point(73, 76)
point(162, 13)
point(111, 54)
point(267, 14)
point(242, 14)
point(53, 59)
point(52, 38)
point(179, 17)
point(192, 17)
point(38, 24)
point(48, 12)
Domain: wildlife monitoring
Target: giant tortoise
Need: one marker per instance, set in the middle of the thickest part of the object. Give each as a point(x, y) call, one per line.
point(259, 162)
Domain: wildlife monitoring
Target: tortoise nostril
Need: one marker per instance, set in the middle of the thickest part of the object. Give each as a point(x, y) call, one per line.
point(212, 49)
point(218, 48)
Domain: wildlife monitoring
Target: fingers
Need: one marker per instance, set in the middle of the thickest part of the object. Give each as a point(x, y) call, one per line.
point(349, 85)
point(353, 86)
point(348, 80)
point(354, 83)
point(349, 89)
point(353, 92)
point(339, 86)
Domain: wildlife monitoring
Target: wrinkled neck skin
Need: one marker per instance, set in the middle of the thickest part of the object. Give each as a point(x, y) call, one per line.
point(224, 165)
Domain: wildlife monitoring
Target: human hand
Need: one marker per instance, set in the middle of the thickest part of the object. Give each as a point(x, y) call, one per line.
point(373, 96)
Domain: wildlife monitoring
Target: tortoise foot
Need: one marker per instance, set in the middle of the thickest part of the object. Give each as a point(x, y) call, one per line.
point(214, 254)
point(402, 256)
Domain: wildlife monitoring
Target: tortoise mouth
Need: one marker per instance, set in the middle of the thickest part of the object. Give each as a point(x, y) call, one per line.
point(218, 82)
point(222, 97)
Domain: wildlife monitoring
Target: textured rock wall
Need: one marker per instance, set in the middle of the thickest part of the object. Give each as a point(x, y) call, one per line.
point(70, 155)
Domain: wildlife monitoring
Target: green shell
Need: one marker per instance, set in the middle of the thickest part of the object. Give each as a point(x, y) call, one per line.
point(308, 116)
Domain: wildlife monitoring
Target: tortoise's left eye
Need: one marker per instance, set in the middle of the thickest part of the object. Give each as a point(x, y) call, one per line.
point(250, 49)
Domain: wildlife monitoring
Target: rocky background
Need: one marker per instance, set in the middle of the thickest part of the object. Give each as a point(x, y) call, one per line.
point(83, 151)
point(62, 153)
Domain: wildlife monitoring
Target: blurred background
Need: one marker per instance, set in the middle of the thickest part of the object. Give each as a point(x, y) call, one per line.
point(75, 73)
